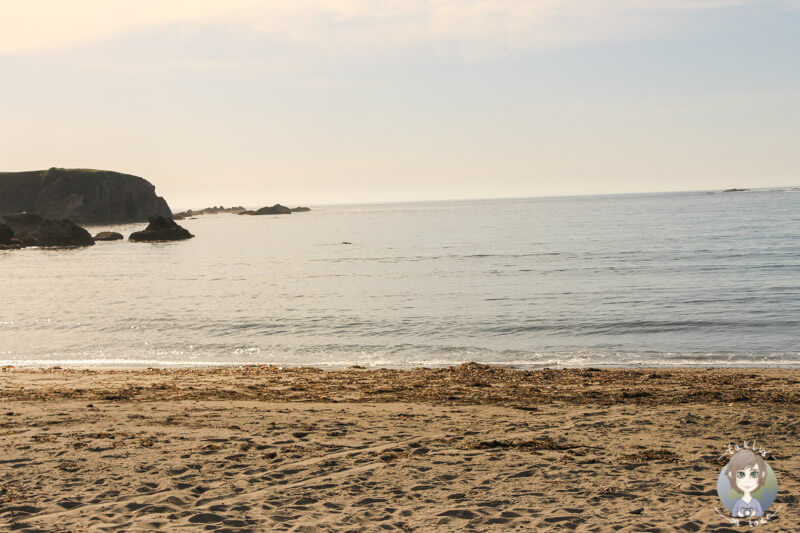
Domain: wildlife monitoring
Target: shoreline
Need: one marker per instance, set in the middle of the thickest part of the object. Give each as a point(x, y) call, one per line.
point(216, 365)
point(471, 447)
point(468, 383)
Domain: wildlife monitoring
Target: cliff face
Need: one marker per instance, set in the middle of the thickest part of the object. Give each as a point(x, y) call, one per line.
point(81, 195)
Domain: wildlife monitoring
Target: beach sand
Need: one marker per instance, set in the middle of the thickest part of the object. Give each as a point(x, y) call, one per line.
point(470, 448)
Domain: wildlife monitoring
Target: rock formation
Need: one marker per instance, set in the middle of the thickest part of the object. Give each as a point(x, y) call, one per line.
point(108, 236)
point(81, 195)
point(208, 211)
point(31, 229)
point(161, 229)
point(276, 209)
point(7, 239)
point(6, 234)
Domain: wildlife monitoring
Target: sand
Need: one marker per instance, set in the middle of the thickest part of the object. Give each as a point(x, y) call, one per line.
point(470, 448)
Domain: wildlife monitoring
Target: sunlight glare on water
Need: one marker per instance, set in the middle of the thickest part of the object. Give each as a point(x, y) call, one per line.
point(662, 279)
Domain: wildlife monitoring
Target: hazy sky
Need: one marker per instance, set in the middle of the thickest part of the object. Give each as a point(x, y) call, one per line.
point(336, 101)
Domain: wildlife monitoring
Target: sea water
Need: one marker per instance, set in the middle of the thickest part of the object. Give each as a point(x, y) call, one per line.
point(700, 278)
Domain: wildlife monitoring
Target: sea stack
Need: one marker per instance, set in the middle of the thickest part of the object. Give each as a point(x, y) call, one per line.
point(161, 229)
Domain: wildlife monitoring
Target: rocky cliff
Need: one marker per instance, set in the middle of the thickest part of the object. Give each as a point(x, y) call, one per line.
point(81, 195)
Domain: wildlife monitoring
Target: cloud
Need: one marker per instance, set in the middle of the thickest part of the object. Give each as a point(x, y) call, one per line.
point(693, 4)
point(40, 25)
point(475, 26)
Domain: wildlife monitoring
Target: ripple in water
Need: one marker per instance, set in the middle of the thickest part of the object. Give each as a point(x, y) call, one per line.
point(671, 279)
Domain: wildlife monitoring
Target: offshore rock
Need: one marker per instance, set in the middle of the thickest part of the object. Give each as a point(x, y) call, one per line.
point(161, 229)
point(81, 195)
point(208, 211)
point(30, 229)
point(7, 240)
point(108, 236)
point(276, 209)
point(13, 245)
point(6, 234)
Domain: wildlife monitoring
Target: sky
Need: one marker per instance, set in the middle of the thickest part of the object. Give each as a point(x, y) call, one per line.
point(348, 101)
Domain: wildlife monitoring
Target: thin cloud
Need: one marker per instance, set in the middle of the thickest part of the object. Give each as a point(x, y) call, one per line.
point(694, 4)
point(475, 26)
point(43, 25)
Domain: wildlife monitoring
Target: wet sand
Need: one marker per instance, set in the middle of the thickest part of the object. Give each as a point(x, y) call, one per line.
point(471, 448)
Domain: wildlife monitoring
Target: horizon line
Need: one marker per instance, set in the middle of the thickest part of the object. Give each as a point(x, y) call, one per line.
point(529, 197)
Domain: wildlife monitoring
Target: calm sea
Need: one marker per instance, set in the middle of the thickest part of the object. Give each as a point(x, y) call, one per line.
point(662, 279)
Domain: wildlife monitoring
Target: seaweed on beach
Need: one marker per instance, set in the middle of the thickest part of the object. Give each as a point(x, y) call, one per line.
point(465, 384)
point(648, 455)
point(530, 444)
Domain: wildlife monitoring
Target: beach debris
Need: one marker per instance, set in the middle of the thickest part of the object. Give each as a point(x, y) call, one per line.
point(465, 384)
point(647, 455)
point(531, 444)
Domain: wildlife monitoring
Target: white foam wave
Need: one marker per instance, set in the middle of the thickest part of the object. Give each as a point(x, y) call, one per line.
point(541, 361)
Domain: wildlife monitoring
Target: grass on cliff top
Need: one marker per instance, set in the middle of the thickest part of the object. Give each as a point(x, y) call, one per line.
point(64, 170)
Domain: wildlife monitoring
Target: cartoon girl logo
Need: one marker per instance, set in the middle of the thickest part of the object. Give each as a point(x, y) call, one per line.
point(747, 485)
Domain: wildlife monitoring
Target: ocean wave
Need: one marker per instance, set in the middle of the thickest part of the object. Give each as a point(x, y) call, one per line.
point(414, 357)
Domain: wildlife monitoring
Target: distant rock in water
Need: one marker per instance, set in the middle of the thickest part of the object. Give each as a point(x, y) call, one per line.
point(208, 211)
point(736, 190)
point(82, 195)
point(30, 229)
point(108, 236)
point(276, 209)
point(6, 234)
point(161, 229)
point(7, 240)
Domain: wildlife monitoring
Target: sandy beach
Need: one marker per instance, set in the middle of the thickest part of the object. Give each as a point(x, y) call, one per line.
point(471, 448)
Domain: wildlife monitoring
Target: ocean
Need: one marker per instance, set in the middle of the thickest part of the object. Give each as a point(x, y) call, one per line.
point(678, 279)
